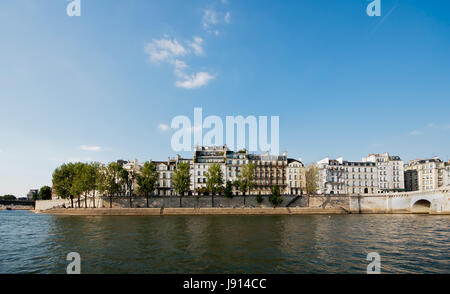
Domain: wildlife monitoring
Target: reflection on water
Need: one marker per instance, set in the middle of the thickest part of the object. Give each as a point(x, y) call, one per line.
point(33, 243)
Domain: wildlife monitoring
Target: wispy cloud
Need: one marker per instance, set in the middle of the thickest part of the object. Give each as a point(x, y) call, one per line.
point(165, 50)
point(171, 51)
point(194, 81)
point(90, 148)
point(429, 127)
point(197, 45)
point(212, 19)
point(209, 19)
point(227, 17)
point(163, 127)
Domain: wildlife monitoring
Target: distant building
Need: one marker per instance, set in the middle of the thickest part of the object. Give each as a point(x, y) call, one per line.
point(33, 194)
point(204, 157)
point(411, 180)
point(165, 170)
point(337, 176)
point(390, 172)
point(295, 177)
point(447, 174)
point(270, 170)
point(425, 174)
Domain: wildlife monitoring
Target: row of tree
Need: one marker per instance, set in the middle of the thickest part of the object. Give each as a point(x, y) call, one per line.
point(77, 180)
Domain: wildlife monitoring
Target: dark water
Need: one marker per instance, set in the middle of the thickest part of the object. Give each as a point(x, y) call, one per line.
point(31, 243)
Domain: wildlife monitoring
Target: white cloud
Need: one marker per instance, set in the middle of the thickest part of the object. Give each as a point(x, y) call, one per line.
point(415, 133)
point(209, 19)
point(179, 64)
point(163, 127)
point(1, 150)
point(90, 148)
point(224, 1)
point(227, 17)
point(165, 50)
point(171, 51)
point(194, 81)
point(197, 45)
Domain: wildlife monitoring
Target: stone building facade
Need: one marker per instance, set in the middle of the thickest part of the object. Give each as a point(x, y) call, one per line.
point(390, 172)
point(270, 170)
point(425, 174)
point(337, 176)
point(295, 177)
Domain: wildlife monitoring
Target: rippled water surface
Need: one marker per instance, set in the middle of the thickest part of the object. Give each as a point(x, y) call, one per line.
point(31, 243)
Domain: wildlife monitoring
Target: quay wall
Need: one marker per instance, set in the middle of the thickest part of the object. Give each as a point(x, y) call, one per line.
point(200, 202)
point(433, 202)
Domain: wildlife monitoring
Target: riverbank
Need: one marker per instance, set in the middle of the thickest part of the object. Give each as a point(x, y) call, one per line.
point(192, 211)
point(18, 207)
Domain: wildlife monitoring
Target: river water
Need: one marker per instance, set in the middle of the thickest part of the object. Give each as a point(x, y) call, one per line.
point(31, 243)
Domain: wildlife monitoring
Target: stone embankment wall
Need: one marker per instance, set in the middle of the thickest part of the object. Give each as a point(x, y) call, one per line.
point(437, 202)
point(201, 202)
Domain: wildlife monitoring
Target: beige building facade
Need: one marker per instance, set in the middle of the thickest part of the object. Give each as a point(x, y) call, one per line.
point(425, 174)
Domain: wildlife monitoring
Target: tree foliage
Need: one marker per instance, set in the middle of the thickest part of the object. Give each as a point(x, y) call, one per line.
point(312, 179)
point(45, 193)
point(214, 178)
point(228, 191)
point(182, 178)
point(147, 180)
point(246, 178)
point(62, 180)
point(275, 198)
point(110, 183)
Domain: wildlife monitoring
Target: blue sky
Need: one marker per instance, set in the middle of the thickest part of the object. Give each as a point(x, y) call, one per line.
point(100, 86)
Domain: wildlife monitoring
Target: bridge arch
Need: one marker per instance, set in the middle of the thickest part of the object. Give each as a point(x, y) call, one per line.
point(421, 206)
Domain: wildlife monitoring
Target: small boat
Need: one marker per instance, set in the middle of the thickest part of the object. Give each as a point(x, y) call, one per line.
point(8, 208)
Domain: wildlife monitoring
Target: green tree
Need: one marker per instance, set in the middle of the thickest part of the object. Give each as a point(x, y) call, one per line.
point(214, 178)
point(182, 178)
point(127, 178)
point(147, 180)
point(259, 198)
point(62, 180)
point(246, 177)
point(8, 197)
point(109, 183)
point(312, 179)
point(275, 198)
point(228, 190)
point(79, 185)
point(94, 179)
point(45, 193)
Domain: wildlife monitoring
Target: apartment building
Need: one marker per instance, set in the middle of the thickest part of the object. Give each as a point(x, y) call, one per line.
point(295, 177)
point(447, 173)
point(390, 172)
point(270, 170)
point(165, 171)
point(204, 157)
point(337, 176)
point(425, 174)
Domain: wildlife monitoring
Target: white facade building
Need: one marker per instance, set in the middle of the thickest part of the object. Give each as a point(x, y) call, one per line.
point(390, 172)
point(337, 176)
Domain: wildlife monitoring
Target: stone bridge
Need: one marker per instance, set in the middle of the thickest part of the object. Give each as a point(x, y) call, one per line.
point(433, 202)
